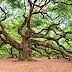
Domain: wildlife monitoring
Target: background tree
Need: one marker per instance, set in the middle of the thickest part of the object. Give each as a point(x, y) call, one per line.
point(43, 30)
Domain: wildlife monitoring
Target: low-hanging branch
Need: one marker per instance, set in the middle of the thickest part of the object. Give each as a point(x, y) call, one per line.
point(8, 39)
point(48, 52)
point(48, 45)
point(48, 38)
point(40, 52)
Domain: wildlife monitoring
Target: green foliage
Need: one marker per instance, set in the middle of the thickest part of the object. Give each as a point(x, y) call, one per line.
point(15, 3)
point(70, 23)
point(36, 21)
point(5, 51)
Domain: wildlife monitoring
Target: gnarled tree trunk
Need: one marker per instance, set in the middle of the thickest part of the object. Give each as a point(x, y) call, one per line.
point(26, 52)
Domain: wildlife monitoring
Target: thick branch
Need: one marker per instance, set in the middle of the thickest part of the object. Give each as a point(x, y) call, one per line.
point(30, 14)
point(12, 44)
point(36, 42)
point(8, 39)
point(21, 28)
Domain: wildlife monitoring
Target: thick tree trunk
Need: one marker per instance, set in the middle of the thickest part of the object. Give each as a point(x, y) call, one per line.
point(26, 53)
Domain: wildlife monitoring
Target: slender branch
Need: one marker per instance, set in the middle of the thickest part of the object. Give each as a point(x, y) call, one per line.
point(0, 32)
point(4, 13)
point(41, 5)
point(63, 3)
point(42, 14)
point(4, 48)
point(35, 1)
point(25, 9)
point(40, 52)
point(48, 52)
point(1, 44)
point(64, 36)
point(42, 30)
point(45, 4)
point(51, 26)
point(56, 17)
point(4, 40)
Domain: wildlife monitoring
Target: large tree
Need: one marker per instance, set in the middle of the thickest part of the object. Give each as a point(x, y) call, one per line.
point(31, 38)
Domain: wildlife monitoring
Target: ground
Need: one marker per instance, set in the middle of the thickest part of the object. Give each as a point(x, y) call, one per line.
point(41, 65)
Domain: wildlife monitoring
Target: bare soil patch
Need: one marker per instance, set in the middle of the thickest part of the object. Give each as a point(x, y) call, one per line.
point(41, 65)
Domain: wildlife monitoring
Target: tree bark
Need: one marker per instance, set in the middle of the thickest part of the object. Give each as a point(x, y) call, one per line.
point(26, 53)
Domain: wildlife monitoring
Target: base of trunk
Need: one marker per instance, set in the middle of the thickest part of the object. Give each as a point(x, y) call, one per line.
point(25, 55)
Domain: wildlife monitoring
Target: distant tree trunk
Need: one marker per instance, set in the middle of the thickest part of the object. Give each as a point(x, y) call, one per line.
point(26, 52)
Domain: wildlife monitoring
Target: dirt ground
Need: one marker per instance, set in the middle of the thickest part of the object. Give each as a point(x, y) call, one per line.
point(41, 65)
